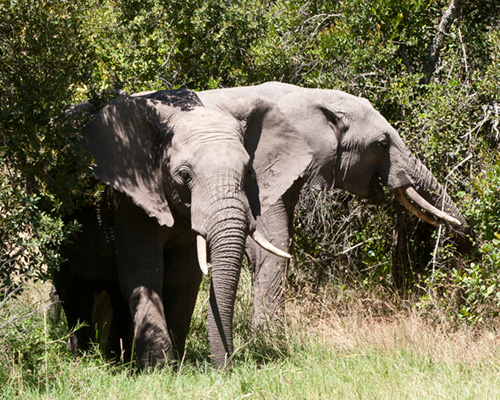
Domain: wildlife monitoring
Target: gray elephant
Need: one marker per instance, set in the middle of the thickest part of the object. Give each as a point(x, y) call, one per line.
point(182, 187)
point(355, 149)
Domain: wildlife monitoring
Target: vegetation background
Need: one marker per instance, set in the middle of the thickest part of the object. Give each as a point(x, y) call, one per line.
point(431, 67)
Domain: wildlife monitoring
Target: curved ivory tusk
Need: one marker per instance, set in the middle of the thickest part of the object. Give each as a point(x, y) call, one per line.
point(411, 193)
point(412, 208)
point(201, 247)
point(266, 245)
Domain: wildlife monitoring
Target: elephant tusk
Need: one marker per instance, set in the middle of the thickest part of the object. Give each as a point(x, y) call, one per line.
point(403, 194)
point(412, 208)
point(266, 245)
point(201, 248)
point(421, 202)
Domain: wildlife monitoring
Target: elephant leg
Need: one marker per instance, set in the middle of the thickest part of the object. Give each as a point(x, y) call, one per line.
point(269, 271)
point(102, 316)
point(139, 245)
point(268, 279)
point(181, 285)
point(111, 323)
point(121, 335)
point(77, 298)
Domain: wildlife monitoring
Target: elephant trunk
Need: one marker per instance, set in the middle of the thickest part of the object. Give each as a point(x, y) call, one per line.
point(429, 195)
point(223, 219)
point(432, 191)
point(226, 241)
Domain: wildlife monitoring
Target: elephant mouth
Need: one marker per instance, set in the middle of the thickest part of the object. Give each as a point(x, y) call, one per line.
point(376, 189)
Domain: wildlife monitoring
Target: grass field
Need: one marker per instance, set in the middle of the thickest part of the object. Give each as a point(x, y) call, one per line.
point(320, 355)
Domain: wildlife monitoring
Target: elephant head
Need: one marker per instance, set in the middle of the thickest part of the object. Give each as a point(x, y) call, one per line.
point(357, 150)
point(187, 170)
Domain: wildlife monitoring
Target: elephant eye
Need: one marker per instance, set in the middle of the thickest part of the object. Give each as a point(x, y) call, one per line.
point(185, 175)
point(383, 143)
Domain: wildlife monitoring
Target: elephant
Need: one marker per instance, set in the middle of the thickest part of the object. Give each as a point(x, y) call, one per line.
point(181, 186)
point(354, 149)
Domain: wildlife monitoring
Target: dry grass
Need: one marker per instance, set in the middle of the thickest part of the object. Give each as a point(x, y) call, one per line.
point(373, 324)
point(410, 332)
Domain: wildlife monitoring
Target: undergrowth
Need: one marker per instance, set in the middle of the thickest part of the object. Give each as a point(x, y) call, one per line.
point(334, 344)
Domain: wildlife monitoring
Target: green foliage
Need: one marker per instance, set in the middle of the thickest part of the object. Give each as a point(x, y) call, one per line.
point(480, 291)
point(31, 347)
point(369, 44)
point(29, 237)
point(156, 44)
point(478, 283)
point(46, 58)
point(484, 209)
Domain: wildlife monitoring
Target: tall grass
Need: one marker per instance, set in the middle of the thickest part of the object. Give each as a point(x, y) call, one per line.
point(320, 354)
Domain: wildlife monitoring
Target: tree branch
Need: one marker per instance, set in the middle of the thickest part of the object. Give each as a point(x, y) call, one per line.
point(450, 15)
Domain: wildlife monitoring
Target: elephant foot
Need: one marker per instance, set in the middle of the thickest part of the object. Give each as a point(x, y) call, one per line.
point(152, 342)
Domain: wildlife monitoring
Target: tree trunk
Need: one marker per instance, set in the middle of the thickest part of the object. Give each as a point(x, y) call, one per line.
point(451, 14)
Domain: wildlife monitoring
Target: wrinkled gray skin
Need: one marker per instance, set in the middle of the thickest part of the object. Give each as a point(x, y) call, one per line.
point(173, 170)
point(354, 148)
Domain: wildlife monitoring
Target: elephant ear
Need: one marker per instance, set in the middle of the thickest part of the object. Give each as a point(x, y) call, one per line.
point(320, 117)
point(124, 138)
point(278, 153)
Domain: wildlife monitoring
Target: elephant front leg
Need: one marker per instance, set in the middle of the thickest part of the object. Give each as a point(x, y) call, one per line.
point(152, 342)
point(142, 285)
point(181, 285)
point(120, 338)
point(139, 247)
point(268, 270)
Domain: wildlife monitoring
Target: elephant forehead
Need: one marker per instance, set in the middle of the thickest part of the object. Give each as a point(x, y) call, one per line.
point(208, 131)
point(211, 140)
point(219, 157)
point(205, 121)
point(214, 150)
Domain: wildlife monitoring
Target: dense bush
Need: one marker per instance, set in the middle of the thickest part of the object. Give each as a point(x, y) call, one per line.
point(45, 59)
